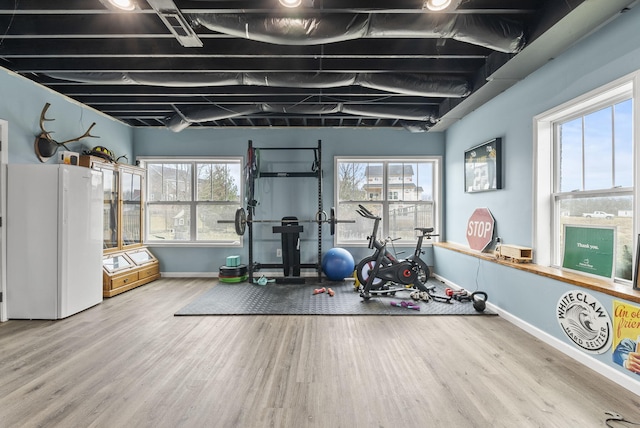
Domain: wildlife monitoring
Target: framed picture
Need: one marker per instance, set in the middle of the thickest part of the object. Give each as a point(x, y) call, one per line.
point(483, 167)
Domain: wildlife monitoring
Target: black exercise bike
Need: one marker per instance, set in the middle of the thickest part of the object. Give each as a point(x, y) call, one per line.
point(382, 268)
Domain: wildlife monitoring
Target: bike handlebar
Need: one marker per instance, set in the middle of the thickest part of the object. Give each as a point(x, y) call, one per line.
point(366, 213)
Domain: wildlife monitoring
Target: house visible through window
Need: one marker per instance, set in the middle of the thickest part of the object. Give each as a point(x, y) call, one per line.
point(590, 176)
point(187, 198)
point(411, 189)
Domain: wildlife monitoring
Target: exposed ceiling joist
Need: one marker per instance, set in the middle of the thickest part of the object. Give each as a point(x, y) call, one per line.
point(340, 63)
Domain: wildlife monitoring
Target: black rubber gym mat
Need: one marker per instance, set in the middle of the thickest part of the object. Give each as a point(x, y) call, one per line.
point(299, 299)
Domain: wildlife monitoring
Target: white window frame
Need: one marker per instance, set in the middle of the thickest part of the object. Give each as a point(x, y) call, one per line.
point(193, 203)
point(437, 194)
point(544, 158)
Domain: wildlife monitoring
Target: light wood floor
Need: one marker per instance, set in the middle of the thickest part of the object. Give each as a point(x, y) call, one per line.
point(129, 362)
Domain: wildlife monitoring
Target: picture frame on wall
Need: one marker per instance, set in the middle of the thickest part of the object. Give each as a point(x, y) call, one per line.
point(483, 167)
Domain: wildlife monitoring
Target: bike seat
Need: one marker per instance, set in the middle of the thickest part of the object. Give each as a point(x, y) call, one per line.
point(424, 230)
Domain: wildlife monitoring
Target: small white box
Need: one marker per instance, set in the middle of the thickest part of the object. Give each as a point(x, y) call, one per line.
point(69, 158)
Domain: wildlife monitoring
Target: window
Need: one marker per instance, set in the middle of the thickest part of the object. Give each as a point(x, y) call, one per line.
point(589, 177)
point(411, 187)
point(186, 199)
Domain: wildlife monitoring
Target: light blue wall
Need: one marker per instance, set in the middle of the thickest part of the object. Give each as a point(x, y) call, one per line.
point(606, 55)
point(279, 197)
point(22, 101)
point(612, 52)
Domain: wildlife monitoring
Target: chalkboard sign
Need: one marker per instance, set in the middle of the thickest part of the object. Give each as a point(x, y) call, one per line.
point(589, 249)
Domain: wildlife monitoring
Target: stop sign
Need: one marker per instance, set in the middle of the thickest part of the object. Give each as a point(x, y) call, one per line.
point(480, 229)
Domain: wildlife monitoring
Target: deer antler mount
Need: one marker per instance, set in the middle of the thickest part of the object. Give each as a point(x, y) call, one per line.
point(45, 146)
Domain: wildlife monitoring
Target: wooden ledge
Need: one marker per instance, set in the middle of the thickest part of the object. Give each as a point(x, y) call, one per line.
point(602, 285)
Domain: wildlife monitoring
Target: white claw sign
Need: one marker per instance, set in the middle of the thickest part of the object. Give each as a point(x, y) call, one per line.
point(480, 229)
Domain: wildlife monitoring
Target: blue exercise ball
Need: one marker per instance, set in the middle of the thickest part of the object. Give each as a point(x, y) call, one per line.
point(337, 264)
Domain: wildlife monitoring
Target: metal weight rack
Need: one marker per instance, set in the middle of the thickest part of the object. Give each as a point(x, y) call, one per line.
point(289, 228)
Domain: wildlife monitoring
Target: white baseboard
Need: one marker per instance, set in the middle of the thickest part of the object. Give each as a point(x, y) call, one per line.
point(189, 274)
point(269, 273)
point(596, 365)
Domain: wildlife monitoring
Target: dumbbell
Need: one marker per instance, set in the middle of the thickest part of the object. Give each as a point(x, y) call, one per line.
point(459, 295)
point(462, 297)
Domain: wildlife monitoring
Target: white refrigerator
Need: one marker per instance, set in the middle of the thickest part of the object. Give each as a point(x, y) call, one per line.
point(54, 240)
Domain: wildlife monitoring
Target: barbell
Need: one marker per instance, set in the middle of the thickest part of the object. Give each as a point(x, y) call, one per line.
point(241, 220)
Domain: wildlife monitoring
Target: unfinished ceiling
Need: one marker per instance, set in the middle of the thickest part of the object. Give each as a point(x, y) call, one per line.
point(328, 63)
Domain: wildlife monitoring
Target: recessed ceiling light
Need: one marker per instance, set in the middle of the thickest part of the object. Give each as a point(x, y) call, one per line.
point(121, 5)
point(291, 3)
point(437, 5)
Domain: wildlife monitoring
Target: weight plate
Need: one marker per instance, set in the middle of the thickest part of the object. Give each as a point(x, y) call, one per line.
point(248, 176)
point(251, 173)
point(332, 221)
point(234, 279)
point(229, 275)
point(241, 221)
point(233, 271)
point(256, 163)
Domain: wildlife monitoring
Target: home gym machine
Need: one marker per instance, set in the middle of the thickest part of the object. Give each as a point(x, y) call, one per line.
point(382, 268)
point(289, 227)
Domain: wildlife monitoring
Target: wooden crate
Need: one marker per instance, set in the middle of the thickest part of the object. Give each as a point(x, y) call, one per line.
point(515, 253)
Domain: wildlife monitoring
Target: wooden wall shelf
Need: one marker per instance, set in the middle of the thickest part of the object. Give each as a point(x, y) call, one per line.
point(611, 288)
